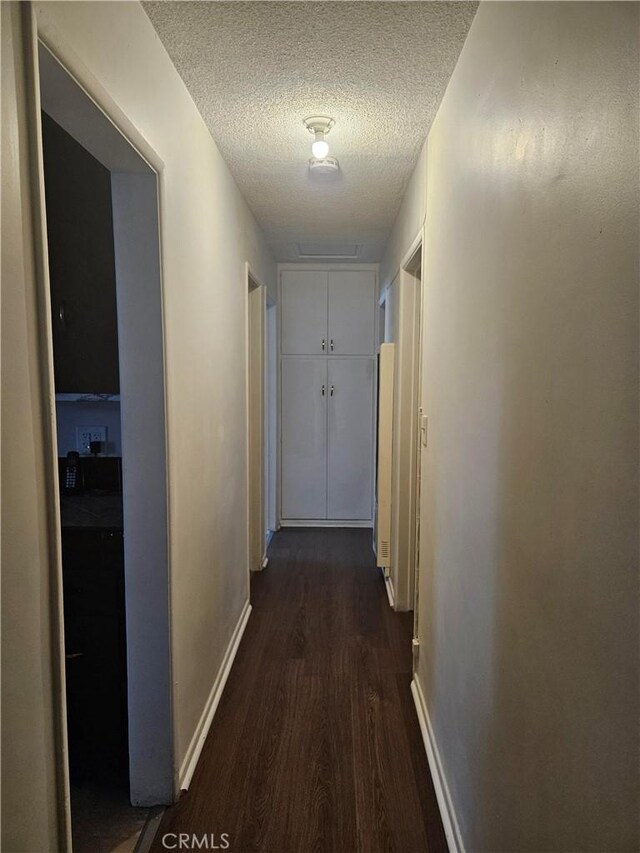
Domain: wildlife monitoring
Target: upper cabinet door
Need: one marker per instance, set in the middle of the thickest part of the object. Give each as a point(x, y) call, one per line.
point(303, 299)
point(352, 312)
point(81, 266)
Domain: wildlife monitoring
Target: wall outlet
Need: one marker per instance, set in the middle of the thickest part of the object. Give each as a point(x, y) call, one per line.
point(87, 434)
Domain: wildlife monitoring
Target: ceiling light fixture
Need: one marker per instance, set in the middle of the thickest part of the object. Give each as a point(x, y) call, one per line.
point(319, 127)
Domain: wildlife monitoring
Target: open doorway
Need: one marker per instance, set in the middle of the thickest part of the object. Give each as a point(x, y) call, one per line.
point(256, 422)
point(407, 335)
point(271, 412)
point(104, 281)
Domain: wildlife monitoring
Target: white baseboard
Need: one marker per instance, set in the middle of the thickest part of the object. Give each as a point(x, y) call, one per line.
point(445, 804)
point(296, 522)
point(188, 766)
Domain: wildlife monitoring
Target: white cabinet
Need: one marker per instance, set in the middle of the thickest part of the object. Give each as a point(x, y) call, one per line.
point(352, 310)
point(327, 438)
point(304, 437)
point(327, 345)
point(303, 312)
point(350, 438)
point(329, 313)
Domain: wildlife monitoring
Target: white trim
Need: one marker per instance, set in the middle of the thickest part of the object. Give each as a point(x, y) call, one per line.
point(190, 761)
point(52, 40)
point(382, 298)
point(271, 361)
point(417, 242)
point(445, 804)
point(388, 585)
point(247, 434)
point(325, 522)
point(249, 277)
point(23, 22)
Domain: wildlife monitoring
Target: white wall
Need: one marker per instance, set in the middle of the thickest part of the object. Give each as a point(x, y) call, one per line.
point(207, 235)
point(529, 584)
point(144, 487)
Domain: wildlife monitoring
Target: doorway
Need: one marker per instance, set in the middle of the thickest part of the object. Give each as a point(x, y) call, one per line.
point(407, 288)
point(257, 431)
point(271, 412)
point(412, 275)
point(107, 355)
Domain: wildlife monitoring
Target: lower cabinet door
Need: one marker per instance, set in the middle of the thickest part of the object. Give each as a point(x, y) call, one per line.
point(350, 384)
point(304, 438)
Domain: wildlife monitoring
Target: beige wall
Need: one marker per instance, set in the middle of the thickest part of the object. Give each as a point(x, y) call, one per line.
point(409, 221)
point(529, 579)
point(207, 236)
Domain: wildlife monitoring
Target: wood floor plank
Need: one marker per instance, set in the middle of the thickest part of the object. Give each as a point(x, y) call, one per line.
point(315, 745)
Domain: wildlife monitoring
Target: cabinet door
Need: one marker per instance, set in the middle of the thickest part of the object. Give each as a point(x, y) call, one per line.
point(303, 297)
point(350, 438)
point(304, 438)
point(81, 265)
point(352, 312)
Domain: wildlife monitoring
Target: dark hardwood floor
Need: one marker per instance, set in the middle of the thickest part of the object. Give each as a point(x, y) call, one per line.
point(315, 745)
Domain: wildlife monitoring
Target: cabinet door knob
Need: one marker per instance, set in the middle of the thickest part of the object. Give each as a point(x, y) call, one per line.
point(324, 344)
point(331, 391)
point(323, 390)
point(331, 344)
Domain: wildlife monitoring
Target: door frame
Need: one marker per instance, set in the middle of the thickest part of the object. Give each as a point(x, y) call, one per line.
point(272, 522)
point(255, 295)
point(414, 260)
point(406, 412)
point(153, 776)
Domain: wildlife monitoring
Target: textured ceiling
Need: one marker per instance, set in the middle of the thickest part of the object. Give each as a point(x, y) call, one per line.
point(256, 69)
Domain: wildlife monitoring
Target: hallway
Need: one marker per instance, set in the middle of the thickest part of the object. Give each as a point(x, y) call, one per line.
point(315, 744)
point(282, 284)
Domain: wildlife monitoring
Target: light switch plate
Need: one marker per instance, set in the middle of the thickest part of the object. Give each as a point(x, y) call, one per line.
point(86, 434)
